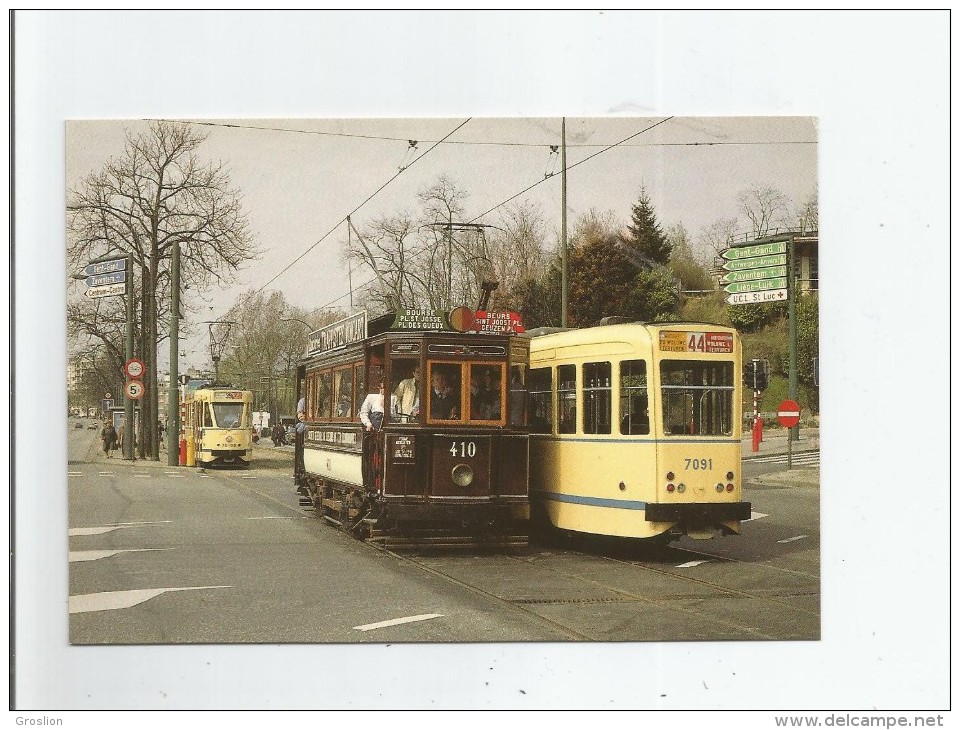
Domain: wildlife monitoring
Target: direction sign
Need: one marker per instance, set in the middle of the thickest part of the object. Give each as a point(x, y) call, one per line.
point(760, 249)
point(788, 413)
point(758, 297)
point(110, 290)
point(105, 267)
point(134, 389)
point(756, 262)
point(762, 285)
point(106, 404)
point(134, 368)
point(115, 277)
point(754, 274)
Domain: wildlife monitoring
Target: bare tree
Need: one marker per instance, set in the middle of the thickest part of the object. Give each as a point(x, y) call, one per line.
point(517, 251)
point(718, 236)
point(765, 207)
point(808, 216)
point(156, 195)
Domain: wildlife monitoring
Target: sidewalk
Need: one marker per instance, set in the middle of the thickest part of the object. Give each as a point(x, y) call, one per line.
point(775, 442)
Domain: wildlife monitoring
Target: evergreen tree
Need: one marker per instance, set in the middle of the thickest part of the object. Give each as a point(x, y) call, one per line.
point(644, 234)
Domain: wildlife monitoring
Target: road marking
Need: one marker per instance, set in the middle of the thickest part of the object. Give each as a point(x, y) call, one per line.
point(794, 539)
point(114, 600)
point(397, 621)
point(692, 563)
point(74, 473)
point(142, 476)
point(273, 517)
point(107, 473)
point(248, 477)
point(756, 516)
point(81, 556)
point(76, 531)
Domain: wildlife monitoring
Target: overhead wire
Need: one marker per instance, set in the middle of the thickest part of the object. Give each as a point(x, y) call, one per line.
point(512, 197)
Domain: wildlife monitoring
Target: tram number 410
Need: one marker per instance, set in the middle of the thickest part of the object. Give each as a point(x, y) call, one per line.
point(463, 449)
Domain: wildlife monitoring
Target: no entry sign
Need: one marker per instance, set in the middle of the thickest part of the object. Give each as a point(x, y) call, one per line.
point(789, 413)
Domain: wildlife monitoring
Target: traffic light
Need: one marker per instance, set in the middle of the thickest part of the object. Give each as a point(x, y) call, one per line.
point(756, 374)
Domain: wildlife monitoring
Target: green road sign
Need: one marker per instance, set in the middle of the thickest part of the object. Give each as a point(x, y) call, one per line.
point(754, 274)
point(762, 285)
point(760, 249)
point(756, 262)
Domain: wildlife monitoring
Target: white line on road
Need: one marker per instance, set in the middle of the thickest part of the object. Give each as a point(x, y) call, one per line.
point(107, 473)
point(81, 556)
point(75, 531)
point(794, 539)
point(114, 600)
point(74, 473)
point(692, 563)
point(397, 621)
point(274, 517)
point(756, 516)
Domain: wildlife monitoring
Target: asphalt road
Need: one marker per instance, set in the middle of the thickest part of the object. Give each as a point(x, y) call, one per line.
point(164, 555)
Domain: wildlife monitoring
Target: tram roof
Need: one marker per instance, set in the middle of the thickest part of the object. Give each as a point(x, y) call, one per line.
point(619, 331)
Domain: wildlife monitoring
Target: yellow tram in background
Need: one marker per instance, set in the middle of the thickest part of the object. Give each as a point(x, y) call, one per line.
point(218, 424)
point(449, 462)
point(635, 430)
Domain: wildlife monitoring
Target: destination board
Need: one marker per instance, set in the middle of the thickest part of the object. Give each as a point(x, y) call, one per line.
point(713, 342)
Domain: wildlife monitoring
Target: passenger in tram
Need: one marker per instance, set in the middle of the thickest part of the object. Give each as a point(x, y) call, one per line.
point(407, 395)
point(443, 402)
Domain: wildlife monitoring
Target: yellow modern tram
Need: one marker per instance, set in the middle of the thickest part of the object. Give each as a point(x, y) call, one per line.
point(218, 425)
point(635, 430)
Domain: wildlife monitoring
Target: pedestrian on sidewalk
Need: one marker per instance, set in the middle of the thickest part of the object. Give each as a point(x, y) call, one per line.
point(108, 435)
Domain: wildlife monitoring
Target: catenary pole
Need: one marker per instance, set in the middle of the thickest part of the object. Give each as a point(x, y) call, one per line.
point(173, 406)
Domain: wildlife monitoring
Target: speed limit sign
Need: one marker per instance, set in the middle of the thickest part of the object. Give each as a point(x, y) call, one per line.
point(134, 368)
point(134, 389)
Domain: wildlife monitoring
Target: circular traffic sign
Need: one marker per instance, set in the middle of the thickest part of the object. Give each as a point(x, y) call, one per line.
point(134, 389)
point(134, 368)
point(789, 413)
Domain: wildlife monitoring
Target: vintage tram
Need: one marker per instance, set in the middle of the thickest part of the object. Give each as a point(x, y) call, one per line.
point(447, 462)
point(635, 430)
point(217, 424)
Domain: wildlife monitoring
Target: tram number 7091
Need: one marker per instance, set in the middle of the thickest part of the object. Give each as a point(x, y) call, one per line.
point(699, 464)
point(463, 449)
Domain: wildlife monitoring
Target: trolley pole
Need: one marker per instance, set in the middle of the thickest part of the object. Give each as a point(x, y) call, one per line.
point(128, 353)
point(173, 406)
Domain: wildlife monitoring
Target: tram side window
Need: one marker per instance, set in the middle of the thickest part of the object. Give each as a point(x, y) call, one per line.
point(343, 387)
point(444, 393)
point(634, 401)
point(567, 398)
point(324, 394)
point(518, 395)
point(360, 392)
point(697, 397)
point(207, 416)
point(486, 392)
point(541, 400)
point(597, 398)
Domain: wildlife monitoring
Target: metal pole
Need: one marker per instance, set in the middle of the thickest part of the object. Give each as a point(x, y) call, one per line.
point(564, 283)
point(173, 406)
point(128, 353)
point(794, 432)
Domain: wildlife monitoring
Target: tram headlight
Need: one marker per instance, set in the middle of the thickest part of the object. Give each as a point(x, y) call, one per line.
point(719, 487)
point(462, 475)
point(681, 488)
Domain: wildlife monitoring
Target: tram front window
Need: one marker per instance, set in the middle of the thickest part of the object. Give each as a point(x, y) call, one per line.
point(227, 415)
point(697, 398)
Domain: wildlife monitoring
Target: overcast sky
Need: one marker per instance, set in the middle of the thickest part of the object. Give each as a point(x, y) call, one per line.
point(878, 85)
point(300, 178)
